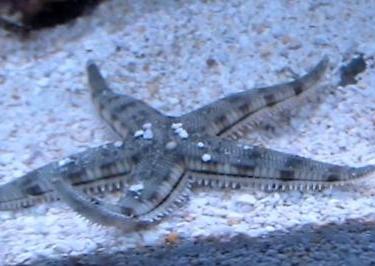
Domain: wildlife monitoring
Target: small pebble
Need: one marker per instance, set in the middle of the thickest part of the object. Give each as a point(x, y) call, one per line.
point(200, 144)
point(147, 126)
point(171, 145)
point(118, 144)
point(138, 133)
point(182, 133)
point(206, 157)
point(148, 134)
point(176, 125)
point(136, 187)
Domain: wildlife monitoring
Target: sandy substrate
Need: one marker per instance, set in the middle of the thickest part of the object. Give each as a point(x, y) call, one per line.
point(178, 57)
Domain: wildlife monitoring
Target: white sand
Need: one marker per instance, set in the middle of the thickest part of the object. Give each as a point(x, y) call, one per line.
point(159, 53)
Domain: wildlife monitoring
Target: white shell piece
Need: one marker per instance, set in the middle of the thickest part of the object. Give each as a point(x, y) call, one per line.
point(136, 187)
point(200, 144)
point(148, 134)
point(182, 133)
point(138, 133)
point(206, 157)
point(176, 125)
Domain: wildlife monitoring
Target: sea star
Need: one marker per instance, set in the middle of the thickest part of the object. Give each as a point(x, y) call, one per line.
point(161, 157)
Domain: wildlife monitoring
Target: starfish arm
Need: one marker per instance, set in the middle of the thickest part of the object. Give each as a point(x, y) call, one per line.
point(95, 210)
point(139, 208)
point(158, 184)
point(228, 164)
point(123, 113)
point(96, 169)
point(232, 114)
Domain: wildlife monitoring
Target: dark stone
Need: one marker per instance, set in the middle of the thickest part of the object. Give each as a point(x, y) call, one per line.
point(351, 70)
point(211, 62)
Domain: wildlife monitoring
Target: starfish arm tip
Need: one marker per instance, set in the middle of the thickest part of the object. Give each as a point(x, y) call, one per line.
point(90, 63)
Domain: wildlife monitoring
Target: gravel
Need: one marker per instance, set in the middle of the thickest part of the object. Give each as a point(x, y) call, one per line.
point(178, 56)
point(350, 243)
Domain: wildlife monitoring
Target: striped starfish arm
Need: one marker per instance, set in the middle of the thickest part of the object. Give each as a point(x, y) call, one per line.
point(158, 185)
point(123, 113)
point(94, 209)
point(147, 200)
point(94, 170)
point(225, 163)
point(232, 114)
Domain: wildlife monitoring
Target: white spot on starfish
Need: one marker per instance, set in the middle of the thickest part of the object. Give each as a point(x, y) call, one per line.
point(182, 133)
point(147, 126)
point(171, 145)
point(147, 134)
point(136, 187)
point(206, 157)
point(138, 133)
point(200, 144)
point(176, 125)
point(179, 130)
point(118, 144)
point(65, 161)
